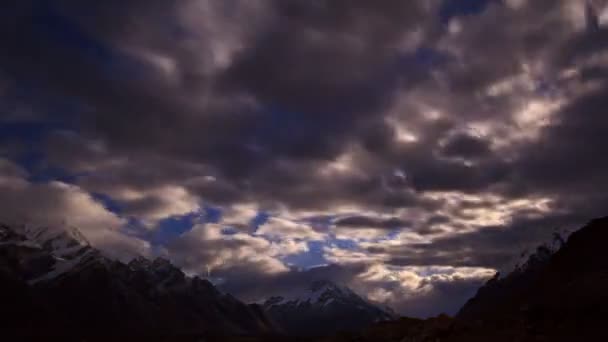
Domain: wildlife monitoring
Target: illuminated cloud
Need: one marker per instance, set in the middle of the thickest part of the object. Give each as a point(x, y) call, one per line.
point(206, 248)
point(278, 227)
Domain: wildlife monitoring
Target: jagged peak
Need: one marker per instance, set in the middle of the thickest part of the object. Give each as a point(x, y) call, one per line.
point(161, 262)
point(159, 266)
point(319, 292)
point(77, 235)
point(163, 265)
point(44, 233)
point(327, 286)
point(63, 241)
point(140, 262)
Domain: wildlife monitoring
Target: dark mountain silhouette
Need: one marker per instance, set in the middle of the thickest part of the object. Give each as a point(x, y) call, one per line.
point(564, 295)
point(53, 283)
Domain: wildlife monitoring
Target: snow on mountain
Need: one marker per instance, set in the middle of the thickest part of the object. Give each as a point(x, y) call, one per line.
point(66, 246)
point(323, 307)
point(65, 266)
point(62, 241)
point(320, 292)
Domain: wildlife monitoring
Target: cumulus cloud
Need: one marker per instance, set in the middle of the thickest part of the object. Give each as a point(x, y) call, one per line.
point(278, 227)
point(418, 291)
point(156, 204)
point(208, 248)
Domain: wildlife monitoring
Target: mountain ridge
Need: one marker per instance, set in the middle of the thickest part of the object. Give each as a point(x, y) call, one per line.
point(76, 291)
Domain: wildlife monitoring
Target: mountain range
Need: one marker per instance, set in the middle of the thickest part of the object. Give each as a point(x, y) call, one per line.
point(54, 283)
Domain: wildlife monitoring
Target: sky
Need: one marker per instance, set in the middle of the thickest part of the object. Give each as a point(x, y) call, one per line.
point(407, 149)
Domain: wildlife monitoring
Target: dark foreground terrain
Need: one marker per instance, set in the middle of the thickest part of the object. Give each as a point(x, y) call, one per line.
point(558, 297)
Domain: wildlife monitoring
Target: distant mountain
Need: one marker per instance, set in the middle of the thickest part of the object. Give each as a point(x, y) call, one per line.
point(53, 283)
point(324, 308)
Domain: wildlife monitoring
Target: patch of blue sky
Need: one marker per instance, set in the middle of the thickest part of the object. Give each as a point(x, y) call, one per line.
point(260, 219)
point(455, 8)
point(211, 214)
point(173, 227)
point(108, 202)
point(312, 258)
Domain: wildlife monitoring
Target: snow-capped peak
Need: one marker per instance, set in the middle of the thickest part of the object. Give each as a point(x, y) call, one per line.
point(59, 239)
point(322, 286)
point(64, 242)
point(66, 245)
point(328, 302)
point(320, 292)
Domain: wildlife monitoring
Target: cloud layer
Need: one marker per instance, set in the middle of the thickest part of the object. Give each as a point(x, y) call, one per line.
point(406, 148)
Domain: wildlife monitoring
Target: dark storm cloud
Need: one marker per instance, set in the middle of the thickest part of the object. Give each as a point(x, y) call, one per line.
point(566, 159)
point(492, 247)
point(437, 219)
point(124, 101)
point(426, 172)
point(452, 175)
point(371, 222)
point(352, 44)
point(85, 60)
point(466, 146)
point(326, 70)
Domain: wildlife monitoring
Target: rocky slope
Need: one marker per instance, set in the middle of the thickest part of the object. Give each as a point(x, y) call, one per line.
point(563, 295)
point(52, 282)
